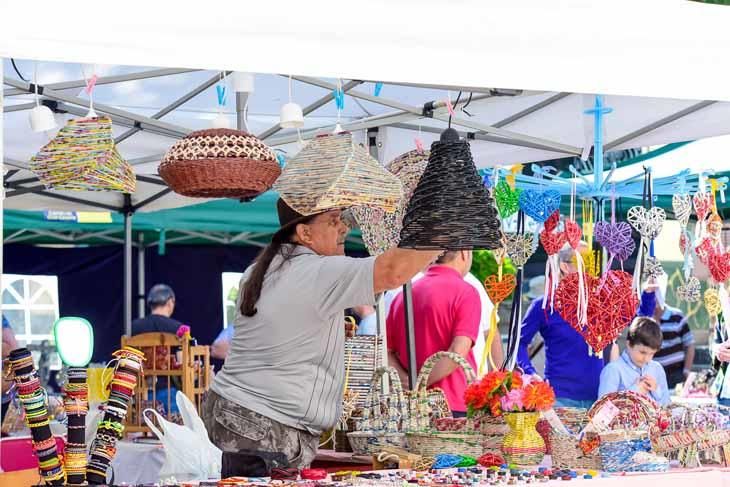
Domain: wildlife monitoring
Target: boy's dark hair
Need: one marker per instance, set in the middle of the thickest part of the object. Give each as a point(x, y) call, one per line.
point(645, 331)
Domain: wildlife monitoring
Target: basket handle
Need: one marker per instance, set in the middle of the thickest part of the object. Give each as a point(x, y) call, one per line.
point(372, 406)
point(422, 381)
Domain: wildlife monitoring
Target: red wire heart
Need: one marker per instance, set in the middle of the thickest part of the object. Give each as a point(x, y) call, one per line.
point(705, 250)
point(573, 233)
point(498, 290)
point(702, 203)
point(552, 242)
point(611, 306)
point(552, 221)
point(719, 265)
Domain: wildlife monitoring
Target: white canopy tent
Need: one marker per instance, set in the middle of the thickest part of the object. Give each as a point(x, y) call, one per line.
point(422, 54)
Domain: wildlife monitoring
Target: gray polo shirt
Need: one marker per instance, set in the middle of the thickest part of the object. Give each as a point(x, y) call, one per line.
point(287, 361)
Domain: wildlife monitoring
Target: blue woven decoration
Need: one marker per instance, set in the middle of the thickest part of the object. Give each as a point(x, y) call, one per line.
point(539, 205)
point(447, 460)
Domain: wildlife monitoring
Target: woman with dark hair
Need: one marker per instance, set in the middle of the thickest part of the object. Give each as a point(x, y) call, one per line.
point(283, 379)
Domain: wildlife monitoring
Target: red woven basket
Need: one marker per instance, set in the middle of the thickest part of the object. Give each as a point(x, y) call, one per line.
point(220, 163)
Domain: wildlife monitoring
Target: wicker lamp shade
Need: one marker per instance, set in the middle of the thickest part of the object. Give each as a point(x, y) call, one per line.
point(381, 230)
point(220, 163)
point(450, 208)
point(334, 172)
point(83, 157)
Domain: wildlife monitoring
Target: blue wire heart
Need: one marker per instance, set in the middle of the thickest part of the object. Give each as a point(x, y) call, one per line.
point(539, 205)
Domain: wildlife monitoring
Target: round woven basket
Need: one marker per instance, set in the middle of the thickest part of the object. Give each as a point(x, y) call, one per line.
point(220, 163)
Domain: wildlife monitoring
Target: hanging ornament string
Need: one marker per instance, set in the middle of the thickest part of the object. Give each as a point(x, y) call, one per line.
point(513, 338)
point(89, 89)
point(648, 221)
point(339, 96)
point(498, 288)
point(573, 235)
point(419, 141)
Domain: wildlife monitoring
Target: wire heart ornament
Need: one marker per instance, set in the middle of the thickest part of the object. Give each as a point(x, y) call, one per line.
point(689, 291)
point(705, 250)
point(539, 205)
point(703, 203)
point(719, 265)
point(682, 206)
point(714, 227)
point(652, 268)
point(507, 199)
point(573, 233)
point(552, 242)
point(649, 222)
point(519, 247)
point(683, 243)
point(552, 222)
point(498, 290)
point(615, 238)
point(611, 306)
point(712, 302)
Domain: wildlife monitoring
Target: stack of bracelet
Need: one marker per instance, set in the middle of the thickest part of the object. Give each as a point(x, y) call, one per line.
point(76, 404)
point(111, 427)
point(33, 398)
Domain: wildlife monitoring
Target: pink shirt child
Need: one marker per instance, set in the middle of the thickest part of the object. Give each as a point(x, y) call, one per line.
point(444, 306)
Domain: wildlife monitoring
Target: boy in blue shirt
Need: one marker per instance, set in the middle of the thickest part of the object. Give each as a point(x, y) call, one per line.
point(635, 370)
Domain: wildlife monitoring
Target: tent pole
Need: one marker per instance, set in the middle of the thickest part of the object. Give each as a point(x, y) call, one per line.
point(128, 265)
point(2, 207)
point(140, 277)
point(241, 101)
point(410, 334)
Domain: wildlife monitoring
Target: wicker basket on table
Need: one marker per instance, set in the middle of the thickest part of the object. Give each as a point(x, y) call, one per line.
point(423, 437)
point(220, 163)
point(635, 411)
point(376, 428)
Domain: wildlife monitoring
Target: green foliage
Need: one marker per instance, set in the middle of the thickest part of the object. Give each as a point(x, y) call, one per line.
point(485, 265)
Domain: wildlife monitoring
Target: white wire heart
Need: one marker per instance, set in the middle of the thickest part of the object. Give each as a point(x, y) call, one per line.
point(682, 206)
point(690, 291)
point(519, 248)
point(652, 268)
point(648, 223)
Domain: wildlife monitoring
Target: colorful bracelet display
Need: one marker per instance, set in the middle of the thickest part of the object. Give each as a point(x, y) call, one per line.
point(111, 428)
point(76, 405)
point(33, 400)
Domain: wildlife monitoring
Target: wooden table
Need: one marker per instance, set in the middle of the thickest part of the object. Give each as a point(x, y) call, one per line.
point(21, 478)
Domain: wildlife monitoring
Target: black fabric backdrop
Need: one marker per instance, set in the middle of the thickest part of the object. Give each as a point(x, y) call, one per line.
point(91, 284)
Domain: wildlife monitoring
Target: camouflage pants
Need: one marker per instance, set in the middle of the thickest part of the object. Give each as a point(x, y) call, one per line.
point(233, 428)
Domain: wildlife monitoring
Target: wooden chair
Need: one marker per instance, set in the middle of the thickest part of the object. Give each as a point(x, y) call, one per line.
point(171, 363)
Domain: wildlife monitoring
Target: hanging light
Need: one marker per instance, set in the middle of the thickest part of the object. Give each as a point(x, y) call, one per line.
point(291, 116)
point(41, 117)
point(243, 82)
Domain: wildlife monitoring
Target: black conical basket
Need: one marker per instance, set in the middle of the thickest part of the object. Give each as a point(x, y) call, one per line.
point(450, 208)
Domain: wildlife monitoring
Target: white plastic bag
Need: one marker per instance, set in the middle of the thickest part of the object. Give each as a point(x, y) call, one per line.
point(189, 454)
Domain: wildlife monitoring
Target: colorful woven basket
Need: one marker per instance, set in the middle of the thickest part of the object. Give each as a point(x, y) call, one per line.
point(375, 429)
point(523, 445)
point(220, 163)
point(423, 437)
point(451, 208)
point(380, 229)
point(83, 157)
point(333, 172)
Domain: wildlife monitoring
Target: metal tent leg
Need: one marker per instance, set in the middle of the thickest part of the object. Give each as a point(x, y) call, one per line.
point(127, 265)
point(410, 334)
point(141, 277)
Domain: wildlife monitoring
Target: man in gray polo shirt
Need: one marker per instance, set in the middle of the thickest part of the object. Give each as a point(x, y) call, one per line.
point(283, 379)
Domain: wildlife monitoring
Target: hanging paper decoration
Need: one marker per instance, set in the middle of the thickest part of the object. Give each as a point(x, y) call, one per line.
point(83, 157)
point(220, 163)
point(127, 372)
point(690, 291)
point(333, 172)
point(34, 402)
point(381, 230)
point(450, 208)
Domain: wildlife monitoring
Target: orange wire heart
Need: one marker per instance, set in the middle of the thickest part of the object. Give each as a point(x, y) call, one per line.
point(498, 290)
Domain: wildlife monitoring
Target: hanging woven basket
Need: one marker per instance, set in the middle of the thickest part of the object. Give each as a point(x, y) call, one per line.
point(83, 157)
point(220, 163)
point(381, 230)
point(450, 208)
point(334, 172)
